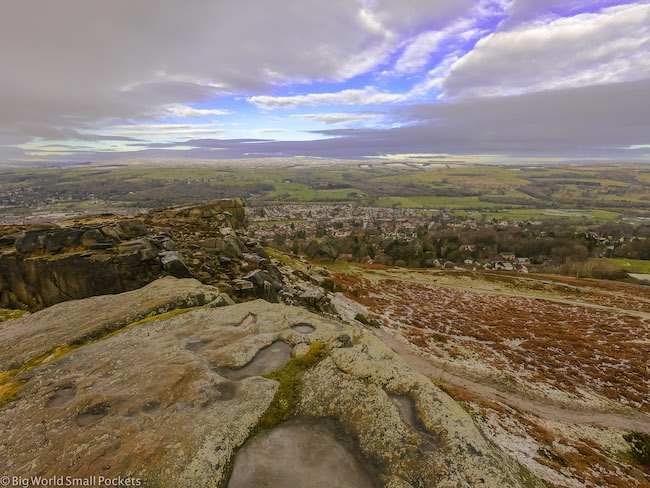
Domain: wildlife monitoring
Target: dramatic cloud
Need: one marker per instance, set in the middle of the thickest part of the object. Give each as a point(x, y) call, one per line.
point(75, 62)
point(588, 49)
point(81, 79)
point(592, 122)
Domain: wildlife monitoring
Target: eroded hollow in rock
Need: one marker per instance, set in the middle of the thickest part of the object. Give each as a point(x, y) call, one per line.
point(250, 319)
point(61, 397)
point(266, 360)
point(92, 414)
point(196, 346)
point(301, 453)
point(406, 407)
point(303, 328)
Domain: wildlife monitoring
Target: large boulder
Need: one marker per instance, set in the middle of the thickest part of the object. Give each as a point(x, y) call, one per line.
point(322, 251)
point(173, 264)
point(40, 281)
point(265, 284)
point(101, 255)
point(34, 239)
point(133, 228)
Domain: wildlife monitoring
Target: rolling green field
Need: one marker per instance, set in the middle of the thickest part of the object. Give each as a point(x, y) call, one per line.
point(630, 265)
point(570, 191)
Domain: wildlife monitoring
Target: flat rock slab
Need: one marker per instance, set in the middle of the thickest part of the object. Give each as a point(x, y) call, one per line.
point(149, 402)
point(300, 453)
point(71, 321)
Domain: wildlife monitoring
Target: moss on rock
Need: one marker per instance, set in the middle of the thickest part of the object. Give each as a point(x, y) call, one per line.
point(284, 402)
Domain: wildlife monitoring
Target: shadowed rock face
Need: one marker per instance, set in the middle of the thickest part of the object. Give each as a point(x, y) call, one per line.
point(147, 401)
point(300, 453)
point(49, 264)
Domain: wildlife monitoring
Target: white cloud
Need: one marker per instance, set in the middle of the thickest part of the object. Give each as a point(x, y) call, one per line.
point(164, 130)
point(336, 118)
point(184, 111)
point(268, 130)
point(174, 132)
point(365, 96)
point(434, 78)
point(587, 49)
point(127, 69)
point(419, 50)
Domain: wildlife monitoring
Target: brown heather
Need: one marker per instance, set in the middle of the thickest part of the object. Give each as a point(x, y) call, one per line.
point(567, 346)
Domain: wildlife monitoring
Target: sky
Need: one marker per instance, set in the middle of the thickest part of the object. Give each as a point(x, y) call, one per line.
point(487, 80)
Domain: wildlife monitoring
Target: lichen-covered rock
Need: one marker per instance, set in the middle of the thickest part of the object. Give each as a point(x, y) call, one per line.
point(155, 400)
point(73, 321)
point(48, 264)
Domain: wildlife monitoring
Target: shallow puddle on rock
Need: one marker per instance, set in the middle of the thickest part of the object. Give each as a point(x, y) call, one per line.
point(266, 360)
point(300, 453)
point(61, 397)
point(196, 346)
point(303, 328)
point(406, 407)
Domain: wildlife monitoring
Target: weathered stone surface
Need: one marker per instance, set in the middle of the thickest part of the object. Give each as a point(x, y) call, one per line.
point(37, 282)
point(449, 451)
point(133, 228)
point(150, 402)
point(71, 322)
point(322, 251)
point(50, 264)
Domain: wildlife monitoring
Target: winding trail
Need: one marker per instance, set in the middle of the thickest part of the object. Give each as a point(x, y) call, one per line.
point(634, 422)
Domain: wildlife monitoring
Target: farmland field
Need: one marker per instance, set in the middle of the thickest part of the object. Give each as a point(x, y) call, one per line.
point(571, 191)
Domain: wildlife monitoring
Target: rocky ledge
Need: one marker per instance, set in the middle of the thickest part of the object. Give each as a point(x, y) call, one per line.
point(47, 264)
point(200, 395)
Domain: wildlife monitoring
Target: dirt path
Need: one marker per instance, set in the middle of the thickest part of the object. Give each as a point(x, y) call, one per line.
point(639, 422)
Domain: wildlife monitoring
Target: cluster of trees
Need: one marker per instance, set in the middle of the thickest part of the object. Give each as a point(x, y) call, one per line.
point(555, 245)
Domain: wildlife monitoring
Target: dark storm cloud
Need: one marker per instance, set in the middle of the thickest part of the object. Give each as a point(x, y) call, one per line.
point(598, 121)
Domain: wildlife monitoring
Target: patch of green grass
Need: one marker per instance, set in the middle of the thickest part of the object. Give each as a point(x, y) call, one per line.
point(545, 213)
point(283, 404)
point(6, 314)
point(436, 202)
point(9, 392)
point(630, 265)
point(301, 192)
point(529, 479)
point(640, 447)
